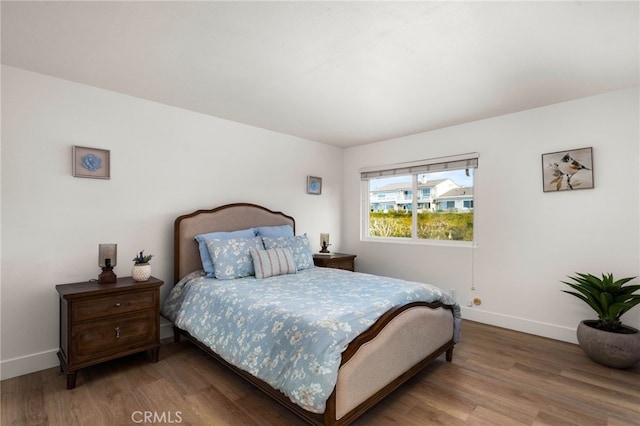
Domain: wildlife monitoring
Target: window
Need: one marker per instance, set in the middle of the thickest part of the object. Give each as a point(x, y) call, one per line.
point(426, 200)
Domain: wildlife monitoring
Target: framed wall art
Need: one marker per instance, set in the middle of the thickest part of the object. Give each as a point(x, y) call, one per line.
point(567, 170)
point(314, 185)
point(91, 162)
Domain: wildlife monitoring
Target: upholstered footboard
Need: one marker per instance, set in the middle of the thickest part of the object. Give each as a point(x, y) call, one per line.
point(407, 340)
point(407, 343)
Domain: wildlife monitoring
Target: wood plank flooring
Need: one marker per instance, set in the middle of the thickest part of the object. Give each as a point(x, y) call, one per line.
point(498, 377)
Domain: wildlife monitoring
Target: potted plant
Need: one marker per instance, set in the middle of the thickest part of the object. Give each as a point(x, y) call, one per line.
point(141, 270)
point(606, 340)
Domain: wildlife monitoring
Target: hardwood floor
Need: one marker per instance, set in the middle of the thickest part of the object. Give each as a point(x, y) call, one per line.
point(498, 377)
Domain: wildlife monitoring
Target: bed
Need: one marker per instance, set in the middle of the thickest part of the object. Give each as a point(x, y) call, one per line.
point(357, 353)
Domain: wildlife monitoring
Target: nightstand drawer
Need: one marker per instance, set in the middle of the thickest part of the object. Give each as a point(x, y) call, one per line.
point(335, 260)
point(113, 304)
point(346, 264)
point(93, 339)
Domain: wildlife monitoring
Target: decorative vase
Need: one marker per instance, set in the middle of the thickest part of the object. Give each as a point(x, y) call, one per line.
point(617, 350)
point(141, 271)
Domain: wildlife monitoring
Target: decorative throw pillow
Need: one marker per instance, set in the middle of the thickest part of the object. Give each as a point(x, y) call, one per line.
point(205, 257)
point(275, 231)
point(299, 245)
point(231, 258)
point(272, 262)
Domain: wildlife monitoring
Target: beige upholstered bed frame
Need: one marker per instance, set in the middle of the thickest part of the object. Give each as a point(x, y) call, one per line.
point(400, 344)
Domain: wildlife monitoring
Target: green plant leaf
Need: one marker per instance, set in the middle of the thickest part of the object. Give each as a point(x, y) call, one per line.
point(629, 289)
point(608, 297)
point(630, 304)
point(589, 300)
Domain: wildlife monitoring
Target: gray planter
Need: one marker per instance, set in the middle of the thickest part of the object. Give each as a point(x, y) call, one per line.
point(617, 350)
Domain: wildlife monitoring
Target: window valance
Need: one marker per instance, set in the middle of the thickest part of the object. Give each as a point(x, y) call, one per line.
point(463, 161)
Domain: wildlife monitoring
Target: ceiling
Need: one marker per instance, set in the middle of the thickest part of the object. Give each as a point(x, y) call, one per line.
point(342, 73)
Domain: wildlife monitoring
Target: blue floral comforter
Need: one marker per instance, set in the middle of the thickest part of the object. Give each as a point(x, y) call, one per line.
point(290, 330)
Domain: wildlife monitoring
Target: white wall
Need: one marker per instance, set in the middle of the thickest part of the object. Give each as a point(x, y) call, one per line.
point(165, 162)
point(527, 240)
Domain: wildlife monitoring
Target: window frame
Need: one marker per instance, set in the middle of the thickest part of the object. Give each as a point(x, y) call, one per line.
point(407, 169)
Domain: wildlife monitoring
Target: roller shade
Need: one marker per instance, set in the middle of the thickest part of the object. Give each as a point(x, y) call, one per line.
point(464, 161)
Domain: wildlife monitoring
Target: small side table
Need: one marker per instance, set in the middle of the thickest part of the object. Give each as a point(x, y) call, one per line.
point(335, 260)
point(100, 322)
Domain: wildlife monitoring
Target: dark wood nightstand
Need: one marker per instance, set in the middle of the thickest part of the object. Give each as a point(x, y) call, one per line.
point(100, 322)
point(335, 260)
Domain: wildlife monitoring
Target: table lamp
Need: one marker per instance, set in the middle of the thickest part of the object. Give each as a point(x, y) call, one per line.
point(107, 259)
point(324, 243)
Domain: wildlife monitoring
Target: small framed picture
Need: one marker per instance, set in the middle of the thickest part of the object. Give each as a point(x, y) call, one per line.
point(91, 163)
point(314, 185)
point(567, 170)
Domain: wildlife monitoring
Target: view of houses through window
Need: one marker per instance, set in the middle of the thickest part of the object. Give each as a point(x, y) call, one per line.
point(443, 204)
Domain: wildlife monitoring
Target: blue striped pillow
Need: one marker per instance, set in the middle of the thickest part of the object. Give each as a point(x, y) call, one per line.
point(272, 262)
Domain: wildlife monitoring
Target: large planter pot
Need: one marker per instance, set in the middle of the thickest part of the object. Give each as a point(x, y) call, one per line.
point(141, 271)
point(617, 350)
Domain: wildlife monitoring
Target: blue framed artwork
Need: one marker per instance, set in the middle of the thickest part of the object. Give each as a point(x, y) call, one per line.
point(91, 162)
point(314, 185)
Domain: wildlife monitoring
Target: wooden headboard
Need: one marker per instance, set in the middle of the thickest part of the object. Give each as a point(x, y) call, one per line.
point(230, 217)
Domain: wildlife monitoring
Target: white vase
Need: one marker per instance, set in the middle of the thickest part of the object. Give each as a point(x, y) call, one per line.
point(141, 271)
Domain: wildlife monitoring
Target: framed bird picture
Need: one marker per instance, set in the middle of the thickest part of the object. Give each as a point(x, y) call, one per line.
point(567, 170)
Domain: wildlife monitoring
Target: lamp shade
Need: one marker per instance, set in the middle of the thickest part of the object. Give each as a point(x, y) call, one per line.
point(107, 255)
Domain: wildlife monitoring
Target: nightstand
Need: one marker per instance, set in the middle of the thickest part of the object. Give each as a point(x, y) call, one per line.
point(100, 322)
point(335, 260)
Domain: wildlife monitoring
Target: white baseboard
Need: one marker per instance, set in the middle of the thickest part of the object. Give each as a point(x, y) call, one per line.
point(551, 331)
point(48, 359)
point(28, 364)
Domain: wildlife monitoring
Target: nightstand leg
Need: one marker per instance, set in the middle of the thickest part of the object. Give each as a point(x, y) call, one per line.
point(71, 379)
point(154, 354)
point(71, 375)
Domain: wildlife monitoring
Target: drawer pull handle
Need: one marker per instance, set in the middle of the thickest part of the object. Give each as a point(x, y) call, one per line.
point(117, 332)
point(117, 305)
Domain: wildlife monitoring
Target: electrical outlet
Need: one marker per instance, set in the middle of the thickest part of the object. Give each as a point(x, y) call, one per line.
point(470, 303)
